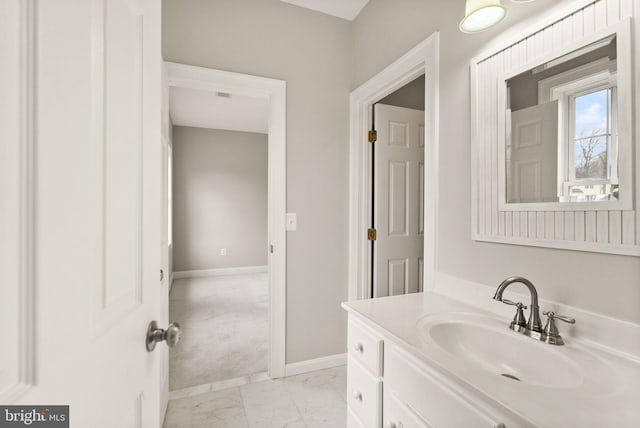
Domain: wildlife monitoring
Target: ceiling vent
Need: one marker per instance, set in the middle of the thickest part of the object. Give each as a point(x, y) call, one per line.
point(223, 94)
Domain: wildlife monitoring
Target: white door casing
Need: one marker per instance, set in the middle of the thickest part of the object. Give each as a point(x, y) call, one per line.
point(95, 152)
point(399, 196)
point(274, 90)
point(165, 241)
point(422, 59)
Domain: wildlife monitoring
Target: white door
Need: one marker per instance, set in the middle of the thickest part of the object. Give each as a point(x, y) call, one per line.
point(91, 110)
point(532, 154)
point(398, 200)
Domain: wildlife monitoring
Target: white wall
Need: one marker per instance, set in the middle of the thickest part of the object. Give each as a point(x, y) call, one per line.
point(385, 30)
point(311, 52)
point(219, 198)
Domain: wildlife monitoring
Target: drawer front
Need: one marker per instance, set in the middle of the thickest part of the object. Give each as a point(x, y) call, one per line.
point(365, 347)
point(364, 394)
point(396, 414)
point(432, 399)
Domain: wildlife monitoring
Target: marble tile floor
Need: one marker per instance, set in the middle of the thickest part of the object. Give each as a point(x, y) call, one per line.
point(225, 329)
point(310, 400)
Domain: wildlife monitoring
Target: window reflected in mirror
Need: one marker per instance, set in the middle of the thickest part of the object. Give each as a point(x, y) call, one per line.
point(561, 136)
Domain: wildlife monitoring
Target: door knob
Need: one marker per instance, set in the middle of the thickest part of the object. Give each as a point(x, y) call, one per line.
point(171, 335)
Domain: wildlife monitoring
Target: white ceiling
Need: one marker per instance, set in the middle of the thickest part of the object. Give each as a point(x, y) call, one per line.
point(345, 9)
point(203, 109)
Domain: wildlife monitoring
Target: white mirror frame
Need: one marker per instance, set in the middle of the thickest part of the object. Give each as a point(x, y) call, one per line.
point(605, 226)
point(622, 31)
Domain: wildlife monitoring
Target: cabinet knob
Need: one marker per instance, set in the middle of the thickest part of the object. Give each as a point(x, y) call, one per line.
point(358, 347)
point(357, 395)
point(391, 425)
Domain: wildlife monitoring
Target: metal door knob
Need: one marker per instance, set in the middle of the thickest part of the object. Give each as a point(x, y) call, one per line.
point(171, 335)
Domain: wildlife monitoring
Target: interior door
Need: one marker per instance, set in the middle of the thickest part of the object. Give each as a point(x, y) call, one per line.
point(532, 154)
point(399, 200)
point(96, 156)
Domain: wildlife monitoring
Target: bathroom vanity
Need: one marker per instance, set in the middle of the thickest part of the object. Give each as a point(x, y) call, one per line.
point(430, 360)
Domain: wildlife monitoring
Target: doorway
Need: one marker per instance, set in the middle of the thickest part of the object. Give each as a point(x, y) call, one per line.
point(396, 157)
point(220, 283)
point(421, 60)
point(263, 250)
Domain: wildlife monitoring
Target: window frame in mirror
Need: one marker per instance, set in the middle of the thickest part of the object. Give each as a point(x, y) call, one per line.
point(622, 32)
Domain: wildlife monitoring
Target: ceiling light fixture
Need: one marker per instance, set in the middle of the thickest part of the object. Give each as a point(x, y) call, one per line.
point(481, 15)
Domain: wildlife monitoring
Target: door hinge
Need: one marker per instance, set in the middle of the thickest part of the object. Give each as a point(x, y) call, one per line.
point(373, 136)
point(372, 234)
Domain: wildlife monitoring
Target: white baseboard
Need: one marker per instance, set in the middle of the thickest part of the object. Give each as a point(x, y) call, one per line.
point(315, 364)
point(219, 272)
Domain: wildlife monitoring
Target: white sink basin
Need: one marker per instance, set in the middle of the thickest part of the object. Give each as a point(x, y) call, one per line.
point(488, 344)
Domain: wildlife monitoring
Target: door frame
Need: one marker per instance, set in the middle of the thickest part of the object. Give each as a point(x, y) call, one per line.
point(207, 79)
point(422, 59)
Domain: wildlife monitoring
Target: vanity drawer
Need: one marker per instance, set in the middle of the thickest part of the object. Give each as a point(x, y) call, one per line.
point(364, 394)
point(431, 398)
point(365, 347)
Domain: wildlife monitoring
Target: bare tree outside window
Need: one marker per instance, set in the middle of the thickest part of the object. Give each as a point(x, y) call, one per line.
point(591, 156)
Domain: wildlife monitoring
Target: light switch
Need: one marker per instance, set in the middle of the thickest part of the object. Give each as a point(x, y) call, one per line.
point(292, 222)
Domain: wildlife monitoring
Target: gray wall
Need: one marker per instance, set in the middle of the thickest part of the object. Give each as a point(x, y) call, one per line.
point(311, 51)
point(219, 198)
point(384, 31)
point(410, 95)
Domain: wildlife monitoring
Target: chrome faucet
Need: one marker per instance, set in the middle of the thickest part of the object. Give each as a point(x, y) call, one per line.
point(533, 327)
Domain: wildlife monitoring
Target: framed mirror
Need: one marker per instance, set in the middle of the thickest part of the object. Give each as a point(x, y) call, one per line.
point(552, 128)
point(565, 135)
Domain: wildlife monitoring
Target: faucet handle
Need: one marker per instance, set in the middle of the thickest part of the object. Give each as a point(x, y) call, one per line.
point(550, 333)
point(552, 315)
point(519, 322)
point(518, 305)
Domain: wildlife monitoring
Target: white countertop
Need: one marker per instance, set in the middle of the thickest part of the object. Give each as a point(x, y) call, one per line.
point(607, 398)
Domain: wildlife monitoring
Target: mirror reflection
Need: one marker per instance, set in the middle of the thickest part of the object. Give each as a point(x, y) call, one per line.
point(561, 136)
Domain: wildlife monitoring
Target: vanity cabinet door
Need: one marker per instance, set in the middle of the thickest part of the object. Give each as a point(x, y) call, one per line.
point(397, 414)
point(353, 421)
point(431, 398)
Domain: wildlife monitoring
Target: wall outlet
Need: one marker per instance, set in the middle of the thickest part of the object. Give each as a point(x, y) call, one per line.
point(223, 251)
